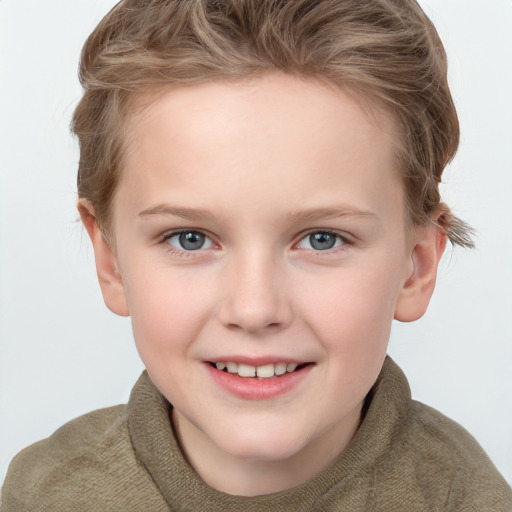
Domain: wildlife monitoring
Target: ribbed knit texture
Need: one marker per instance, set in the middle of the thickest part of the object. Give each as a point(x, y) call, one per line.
point(405, 457)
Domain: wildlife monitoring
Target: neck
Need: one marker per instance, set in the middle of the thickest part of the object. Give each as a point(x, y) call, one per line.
point(253, 477)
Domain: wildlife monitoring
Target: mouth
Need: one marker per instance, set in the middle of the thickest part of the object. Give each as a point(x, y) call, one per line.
point(263, 372)
point(261, 380)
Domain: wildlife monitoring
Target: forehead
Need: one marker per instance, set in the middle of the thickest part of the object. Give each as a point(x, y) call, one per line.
point(254, 102)
point(260, 135)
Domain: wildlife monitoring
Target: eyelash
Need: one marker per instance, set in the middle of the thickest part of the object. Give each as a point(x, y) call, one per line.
point(327, 252)
point(184, 253)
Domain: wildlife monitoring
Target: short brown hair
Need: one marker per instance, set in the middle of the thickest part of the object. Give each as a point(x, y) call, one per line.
point(385, 50)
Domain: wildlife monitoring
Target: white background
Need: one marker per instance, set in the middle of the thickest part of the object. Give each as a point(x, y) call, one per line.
point(62, 353)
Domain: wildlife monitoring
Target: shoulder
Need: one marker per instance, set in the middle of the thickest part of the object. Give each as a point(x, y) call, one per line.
point(88, 454)
point(77, 437)
point(445, 459)
point(415, 458)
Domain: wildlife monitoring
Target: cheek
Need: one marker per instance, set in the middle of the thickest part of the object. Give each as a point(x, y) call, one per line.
point(167, 310)
point(352, 310)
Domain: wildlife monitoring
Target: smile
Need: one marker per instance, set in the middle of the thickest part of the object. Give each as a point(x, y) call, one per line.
point(267, 371)
point(258, 382)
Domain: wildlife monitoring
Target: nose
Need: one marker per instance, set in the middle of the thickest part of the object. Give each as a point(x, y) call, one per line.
point(255, 297)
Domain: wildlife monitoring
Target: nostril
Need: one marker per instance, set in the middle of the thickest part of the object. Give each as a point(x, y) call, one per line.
point(254, 328)
point(254, 312)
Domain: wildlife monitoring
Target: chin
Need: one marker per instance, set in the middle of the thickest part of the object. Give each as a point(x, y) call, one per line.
point(269, 445)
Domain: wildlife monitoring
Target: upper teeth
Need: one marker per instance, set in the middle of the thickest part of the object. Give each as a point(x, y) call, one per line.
point(265, 371)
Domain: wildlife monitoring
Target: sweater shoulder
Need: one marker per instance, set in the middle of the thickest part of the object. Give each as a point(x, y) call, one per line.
point(445, 459)
point(80, 435)
point(91, 455)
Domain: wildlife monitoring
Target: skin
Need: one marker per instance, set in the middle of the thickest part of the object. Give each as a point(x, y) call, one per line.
point(254, 166)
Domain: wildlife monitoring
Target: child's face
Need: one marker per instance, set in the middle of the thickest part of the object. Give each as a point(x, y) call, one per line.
point(261, 223)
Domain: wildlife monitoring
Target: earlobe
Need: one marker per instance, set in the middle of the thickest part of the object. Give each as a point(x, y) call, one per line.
point(418, 287)
point(110, 280)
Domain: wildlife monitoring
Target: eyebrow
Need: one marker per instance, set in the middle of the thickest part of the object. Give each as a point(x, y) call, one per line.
point(317, 214)
point(308, 215)
point(177, 211)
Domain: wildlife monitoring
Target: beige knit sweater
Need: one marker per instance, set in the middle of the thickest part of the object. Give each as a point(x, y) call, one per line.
point(405, 457)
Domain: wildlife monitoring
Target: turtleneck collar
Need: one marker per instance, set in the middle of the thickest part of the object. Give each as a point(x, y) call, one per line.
point(156, 447)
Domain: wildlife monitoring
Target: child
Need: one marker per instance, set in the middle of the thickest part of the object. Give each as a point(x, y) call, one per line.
point(260, 184)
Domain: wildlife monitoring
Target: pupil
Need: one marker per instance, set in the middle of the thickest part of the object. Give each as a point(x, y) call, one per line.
point(191, 241)
point(322, 241)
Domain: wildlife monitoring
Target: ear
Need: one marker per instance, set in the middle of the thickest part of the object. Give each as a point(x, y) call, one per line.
point(110, 280)
point(428, 247)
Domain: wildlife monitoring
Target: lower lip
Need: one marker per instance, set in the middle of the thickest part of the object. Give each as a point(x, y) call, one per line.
point(254, 388)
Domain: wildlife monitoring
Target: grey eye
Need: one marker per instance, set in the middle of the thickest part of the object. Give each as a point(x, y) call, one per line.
point(189, 241)
point(321, 241)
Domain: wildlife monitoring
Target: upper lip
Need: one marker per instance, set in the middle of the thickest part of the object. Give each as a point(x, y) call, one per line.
point(256, 361)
